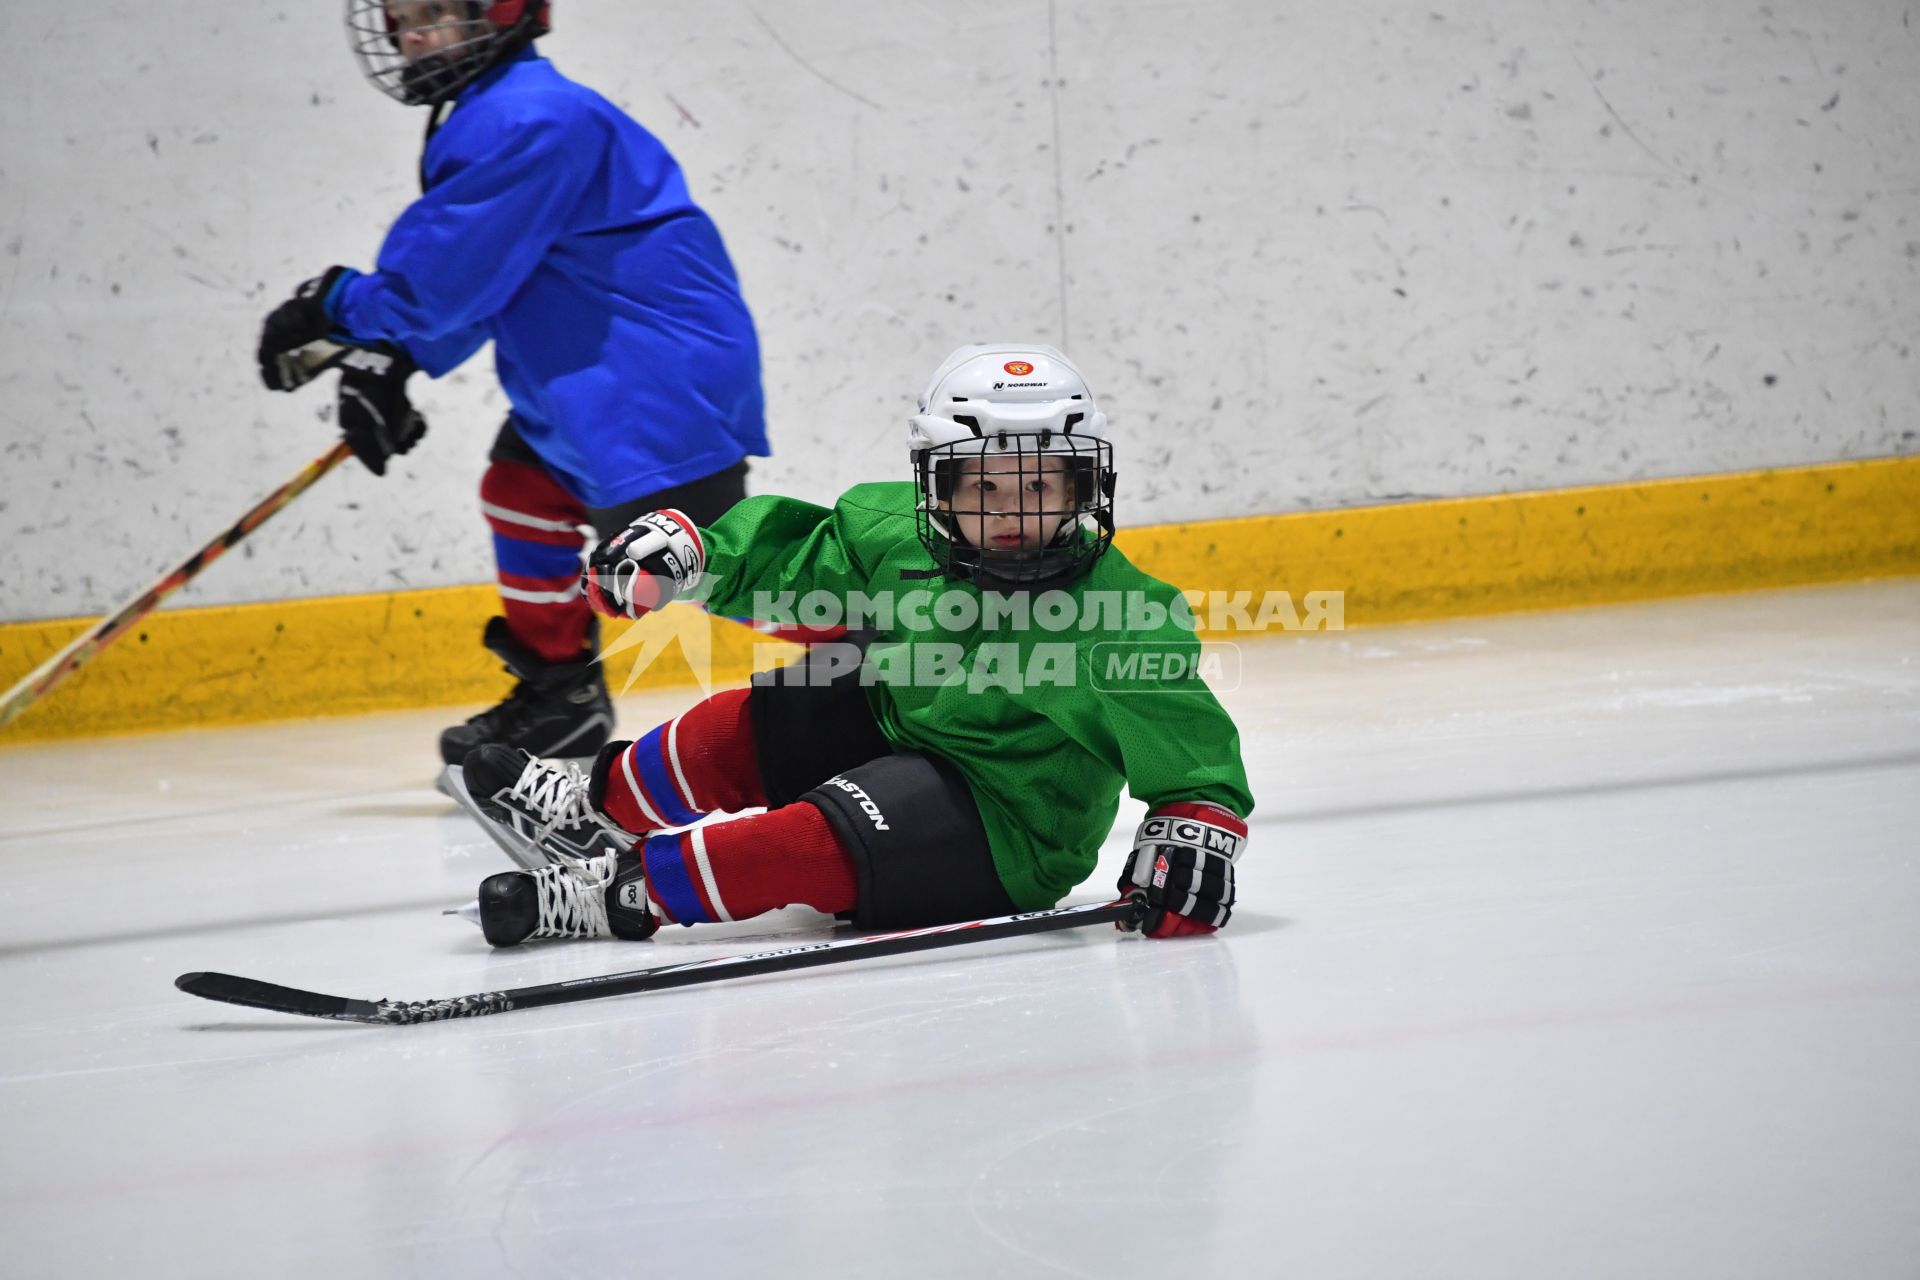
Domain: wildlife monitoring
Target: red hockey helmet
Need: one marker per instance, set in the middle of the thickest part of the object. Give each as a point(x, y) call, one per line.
point(506, 15)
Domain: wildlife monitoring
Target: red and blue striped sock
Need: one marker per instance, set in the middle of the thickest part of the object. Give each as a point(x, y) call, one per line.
point(737, 870)
point(699, 762)
point(537, 541)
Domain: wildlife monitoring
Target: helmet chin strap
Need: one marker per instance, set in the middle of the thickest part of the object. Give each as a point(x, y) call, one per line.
point(1043, 574)
point(988, 567)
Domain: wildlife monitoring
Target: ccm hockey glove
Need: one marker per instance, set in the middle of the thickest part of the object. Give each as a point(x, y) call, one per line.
point(1182, 864)
point(300, 333)
point(376, 417)
point(644, 566)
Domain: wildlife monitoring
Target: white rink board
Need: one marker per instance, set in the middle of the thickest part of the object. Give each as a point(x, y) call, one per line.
point(1576, 944)
point(1312, 256)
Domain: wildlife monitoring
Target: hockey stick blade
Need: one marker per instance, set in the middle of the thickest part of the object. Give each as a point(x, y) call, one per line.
point(254, 994)
point(228, 989)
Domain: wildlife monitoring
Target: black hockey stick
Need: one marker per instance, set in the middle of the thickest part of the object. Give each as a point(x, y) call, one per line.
point(265, 995)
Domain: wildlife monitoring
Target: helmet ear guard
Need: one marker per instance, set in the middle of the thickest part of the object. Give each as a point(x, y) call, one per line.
point(535, 15)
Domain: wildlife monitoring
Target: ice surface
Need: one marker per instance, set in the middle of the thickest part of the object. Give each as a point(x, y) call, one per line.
point(1572, 944)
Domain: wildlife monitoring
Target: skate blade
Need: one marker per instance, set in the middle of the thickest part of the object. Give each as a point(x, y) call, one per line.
point(470, 913)
point(525, 853)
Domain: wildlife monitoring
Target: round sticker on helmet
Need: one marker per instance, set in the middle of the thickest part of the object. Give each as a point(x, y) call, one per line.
point(1018, 368)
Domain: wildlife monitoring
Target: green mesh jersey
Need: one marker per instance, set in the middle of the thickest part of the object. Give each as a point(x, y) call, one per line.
point(1046, 725)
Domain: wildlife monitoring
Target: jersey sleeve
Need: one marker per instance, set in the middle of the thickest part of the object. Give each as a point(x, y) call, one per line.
point(1165, 733)
point(768, 545)
point(501, 189)
point(1177, 744)
point(443, 355)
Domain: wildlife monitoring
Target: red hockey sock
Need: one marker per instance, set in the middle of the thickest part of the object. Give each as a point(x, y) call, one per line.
point(700, 761)
point(536, 551)
point(737, 870)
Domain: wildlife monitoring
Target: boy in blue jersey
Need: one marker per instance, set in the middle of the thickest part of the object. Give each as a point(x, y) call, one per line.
point(554, 226)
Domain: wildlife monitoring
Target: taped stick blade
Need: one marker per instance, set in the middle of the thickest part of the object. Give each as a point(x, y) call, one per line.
point(254, 994)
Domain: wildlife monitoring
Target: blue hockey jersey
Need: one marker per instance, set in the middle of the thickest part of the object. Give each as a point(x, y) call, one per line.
point(562, 230)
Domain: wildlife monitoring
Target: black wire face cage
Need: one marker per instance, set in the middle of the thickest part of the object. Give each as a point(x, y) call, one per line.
point(438, 76)
point(1041, 503)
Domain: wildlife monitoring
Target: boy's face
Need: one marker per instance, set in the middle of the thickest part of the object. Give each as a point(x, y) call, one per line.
point(1009, 505)
point(423, 27)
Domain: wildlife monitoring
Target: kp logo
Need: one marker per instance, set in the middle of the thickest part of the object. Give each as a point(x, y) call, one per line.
point(1018, 368)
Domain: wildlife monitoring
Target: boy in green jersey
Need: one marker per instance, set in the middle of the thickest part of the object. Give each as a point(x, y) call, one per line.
point(968, 763)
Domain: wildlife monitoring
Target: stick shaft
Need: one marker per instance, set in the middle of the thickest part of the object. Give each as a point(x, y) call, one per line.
point(84, 647)
point(255, 994)
point(810, 955)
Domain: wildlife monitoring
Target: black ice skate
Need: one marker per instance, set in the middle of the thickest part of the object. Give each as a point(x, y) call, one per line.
point(558, 708)
point(604, 897)
point(536, 810)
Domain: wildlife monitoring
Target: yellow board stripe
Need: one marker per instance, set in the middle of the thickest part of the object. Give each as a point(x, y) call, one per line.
point(343, 654)
point(1593, 545)
point(337, 655)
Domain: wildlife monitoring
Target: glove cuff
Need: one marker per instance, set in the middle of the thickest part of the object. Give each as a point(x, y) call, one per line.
point(332, 290)
point(691, 532)
point(1201, 823)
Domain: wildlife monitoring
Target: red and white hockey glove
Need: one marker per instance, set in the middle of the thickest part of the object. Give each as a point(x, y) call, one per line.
point(1183, 856)
point(644, 566)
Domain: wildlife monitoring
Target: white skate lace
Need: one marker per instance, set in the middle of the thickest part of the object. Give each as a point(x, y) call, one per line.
point(572, 898)
point(555, 797)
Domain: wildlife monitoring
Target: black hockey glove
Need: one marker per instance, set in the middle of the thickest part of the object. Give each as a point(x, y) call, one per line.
point(644, 566)
point(376, 417)
point(298, 339)
point(1182, 864)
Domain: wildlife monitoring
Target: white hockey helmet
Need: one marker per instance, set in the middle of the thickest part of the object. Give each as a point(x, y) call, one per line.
point(1017, 405)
